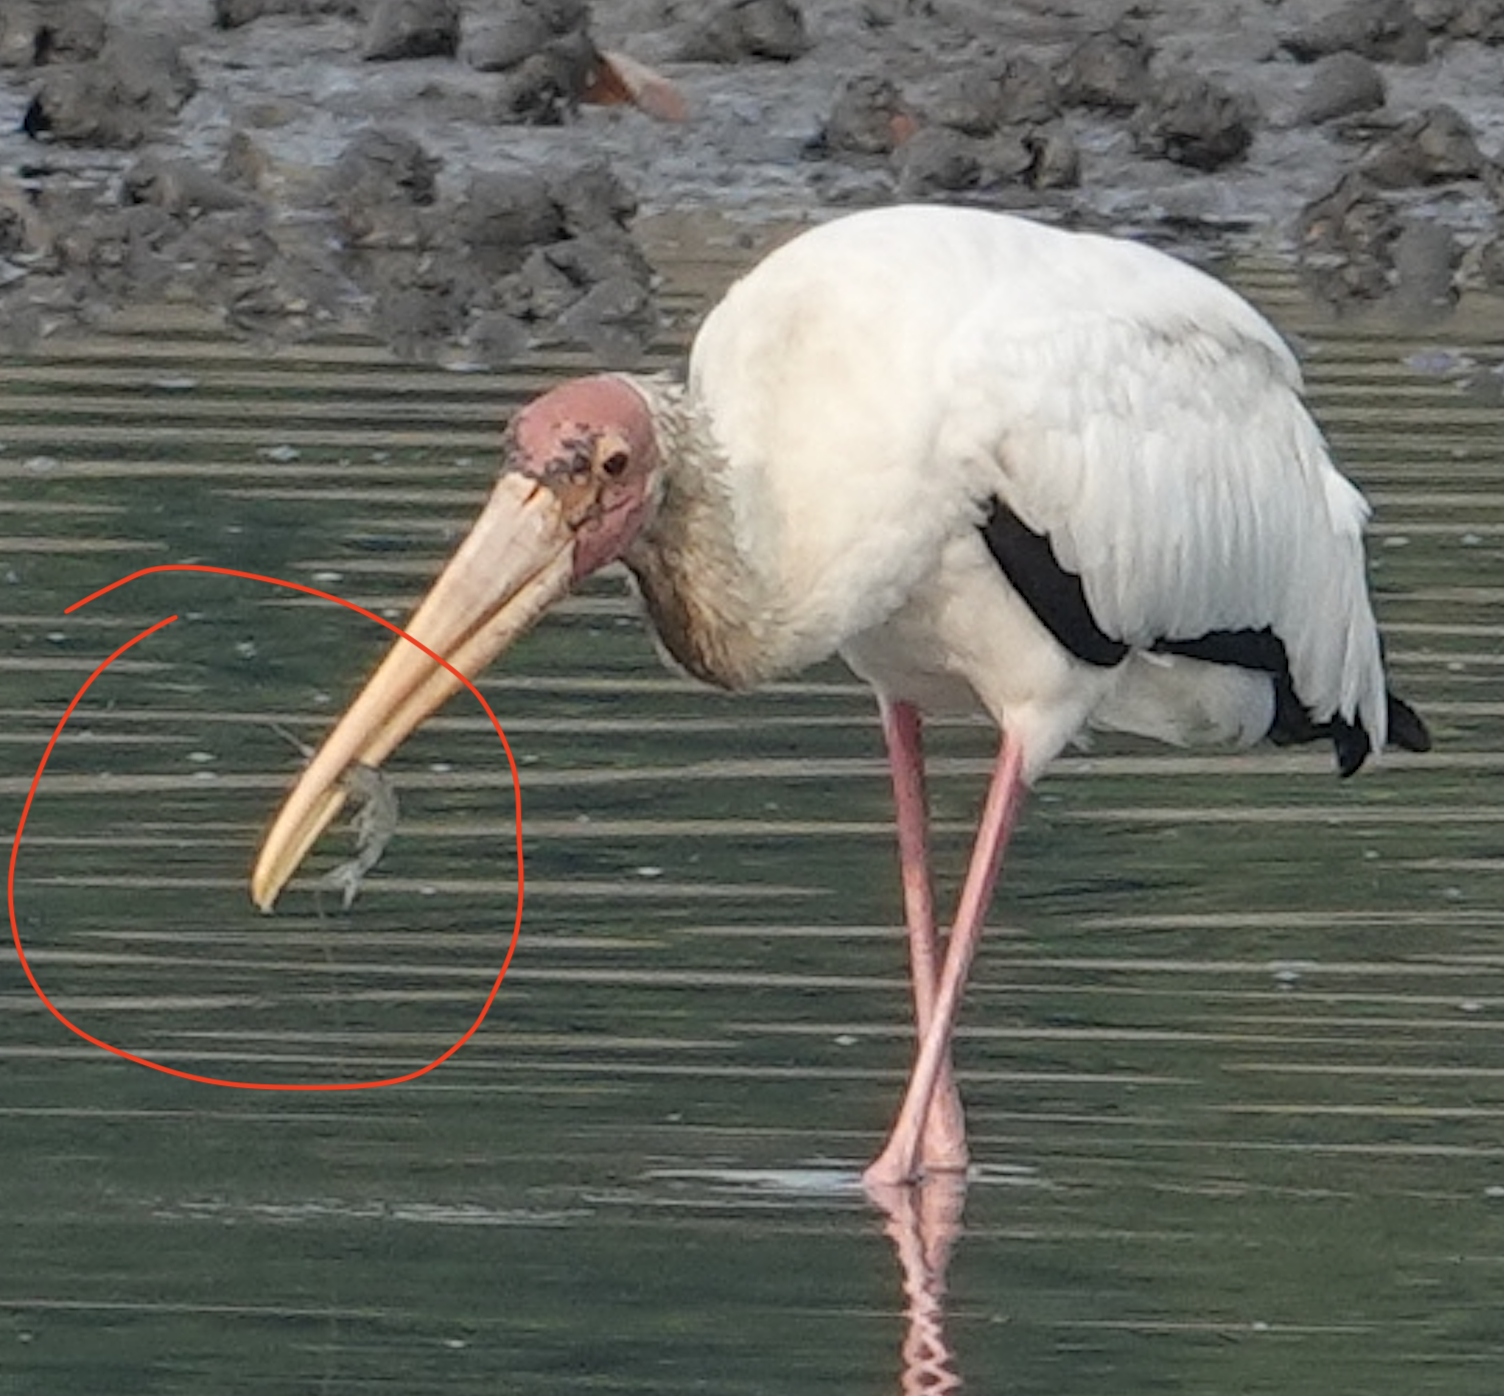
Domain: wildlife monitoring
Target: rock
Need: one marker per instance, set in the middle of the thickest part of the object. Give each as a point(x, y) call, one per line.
point(595, 258)
point(245, 163)
point(62, 31)
point(883, 14)
point(1386, 31)
point(1345, 239)
point(1432, 147)
point(508, 34)
point(1488, 264)
point(1195, 122)
point(868, 118)
point(1031, 94)
point(73, 32)
point(979, 102)
point(1356, 246)
point(69, 108)
point(1110, 70)
point(1045, 157)
point(593, 290)
point(378, 185)
point(179, 186)
point(1435, 14)
point(19, 24)
point(1482, 20)
point(387, 164)
point(296, 294)
point(526, 256)
point(1055, 159)
point(1005, 160)
point(552, 66)
point(937, 160)
point(121, 254)
point(400, 29)
point(735, 31)
point(421, 297)
point(117, 99)
point(970, 101)
point(612, 319)
point(537, 292)
point(1424, 259)
point(1342, 84)
point(590, 197)
point(546, 88)
point(149, 70)
point(13, 238)
point(495, 338)
point(178, 234)
point(216, 256)
point(416, 316)
point(229, 246)
point(20, 328)
point(231, 14)
point(773, 29)
point(505, 215)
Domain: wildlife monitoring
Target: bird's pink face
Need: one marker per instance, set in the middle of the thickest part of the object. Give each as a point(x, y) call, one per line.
point(592, 444)
point(577, 484)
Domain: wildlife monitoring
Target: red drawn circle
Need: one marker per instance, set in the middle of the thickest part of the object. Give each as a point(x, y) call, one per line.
point(15, 848)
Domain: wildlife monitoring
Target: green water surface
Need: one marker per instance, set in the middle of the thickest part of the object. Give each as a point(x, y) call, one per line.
point(1232, 1051)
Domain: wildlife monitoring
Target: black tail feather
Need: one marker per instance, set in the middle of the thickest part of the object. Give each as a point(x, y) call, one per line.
point(1352, 745)
point(1406, 727)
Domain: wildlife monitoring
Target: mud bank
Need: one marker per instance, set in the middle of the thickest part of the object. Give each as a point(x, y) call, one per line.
point(435, 172)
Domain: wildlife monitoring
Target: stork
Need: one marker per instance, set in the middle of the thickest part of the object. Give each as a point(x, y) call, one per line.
point(1060, 479)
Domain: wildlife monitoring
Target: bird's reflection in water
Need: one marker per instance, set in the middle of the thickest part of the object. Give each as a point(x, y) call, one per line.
point(924, 1223)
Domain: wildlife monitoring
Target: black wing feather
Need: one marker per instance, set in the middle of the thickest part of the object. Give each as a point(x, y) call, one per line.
point(1055, 595)
point(1058, 598)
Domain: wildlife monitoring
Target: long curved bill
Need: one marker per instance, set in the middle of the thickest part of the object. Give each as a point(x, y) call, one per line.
point(516, 562)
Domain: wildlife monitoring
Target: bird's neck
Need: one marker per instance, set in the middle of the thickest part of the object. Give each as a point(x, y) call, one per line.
point(694, 563)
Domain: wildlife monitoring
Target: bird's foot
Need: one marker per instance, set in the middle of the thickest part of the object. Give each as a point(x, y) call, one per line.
point(939, 1147)
point(893, 1171)
point(942, 1146)
point(888, 1172)
point(901, 1168)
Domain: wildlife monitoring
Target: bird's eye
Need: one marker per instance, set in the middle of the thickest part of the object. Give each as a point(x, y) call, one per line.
point(615, 464)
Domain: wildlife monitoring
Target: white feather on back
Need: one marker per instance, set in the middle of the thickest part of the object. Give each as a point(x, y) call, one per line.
point(1161, 442)
point(882, 376)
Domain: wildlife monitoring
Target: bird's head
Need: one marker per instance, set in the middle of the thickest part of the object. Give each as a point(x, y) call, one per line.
point(579, 480)
point(591, 444)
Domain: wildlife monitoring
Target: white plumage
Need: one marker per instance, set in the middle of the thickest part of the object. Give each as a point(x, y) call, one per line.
point(873, 383)
point(1061, 478)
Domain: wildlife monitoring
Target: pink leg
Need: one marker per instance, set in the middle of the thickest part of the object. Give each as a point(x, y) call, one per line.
point(900, 1160)
point(943, 1146)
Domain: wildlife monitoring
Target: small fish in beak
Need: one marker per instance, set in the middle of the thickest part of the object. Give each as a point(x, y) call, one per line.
point(575, 489)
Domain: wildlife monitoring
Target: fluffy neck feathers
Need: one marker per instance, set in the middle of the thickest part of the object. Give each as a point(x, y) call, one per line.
point(711, 607)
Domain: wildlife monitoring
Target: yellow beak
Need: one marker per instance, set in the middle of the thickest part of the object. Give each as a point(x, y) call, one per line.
point(517, 561)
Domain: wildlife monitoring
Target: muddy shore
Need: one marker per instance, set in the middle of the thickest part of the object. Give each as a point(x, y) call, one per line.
point(274, 168)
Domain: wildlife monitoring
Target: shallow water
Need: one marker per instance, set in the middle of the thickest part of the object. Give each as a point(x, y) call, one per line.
point(1232, 1051)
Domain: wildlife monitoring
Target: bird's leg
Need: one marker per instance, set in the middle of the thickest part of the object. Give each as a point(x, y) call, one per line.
point(900, 1159)
point(943, 1146)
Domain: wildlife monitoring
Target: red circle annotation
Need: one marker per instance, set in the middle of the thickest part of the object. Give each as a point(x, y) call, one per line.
point(10, 887)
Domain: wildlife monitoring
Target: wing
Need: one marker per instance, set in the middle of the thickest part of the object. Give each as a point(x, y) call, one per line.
point(883, 379)
point(1155, 434)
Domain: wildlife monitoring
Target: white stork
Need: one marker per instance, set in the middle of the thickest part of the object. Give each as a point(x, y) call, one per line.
point(1062, 479)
